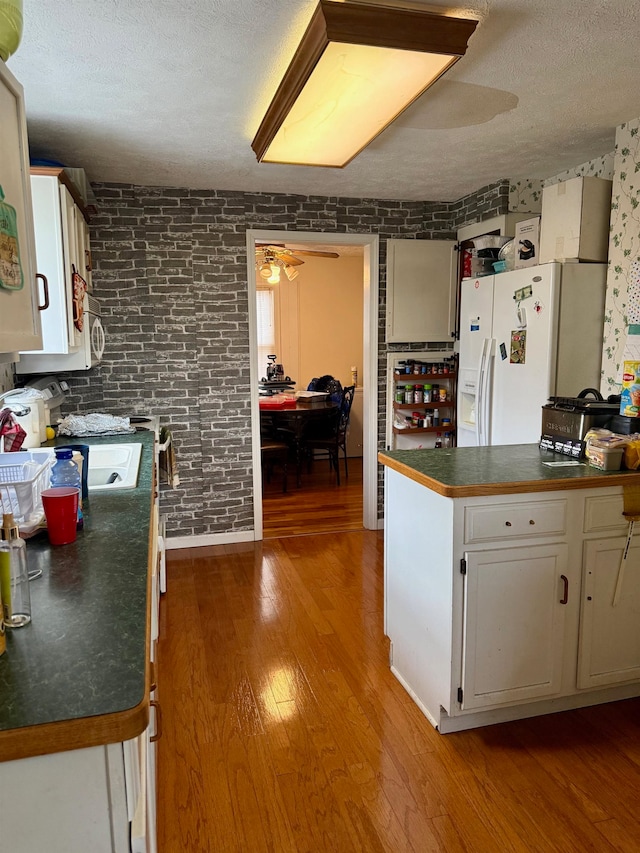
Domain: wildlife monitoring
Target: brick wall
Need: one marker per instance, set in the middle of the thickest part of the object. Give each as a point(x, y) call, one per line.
point(170, 270)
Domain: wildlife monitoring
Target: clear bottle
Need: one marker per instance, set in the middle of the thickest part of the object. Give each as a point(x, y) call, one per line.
point(438, 440)
point(14, 576)
point(65, 473)
point(446, 441)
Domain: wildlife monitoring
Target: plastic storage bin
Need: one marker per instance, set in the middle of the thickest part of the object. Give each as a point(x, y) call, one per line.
point(606, 453)
point(23, 477)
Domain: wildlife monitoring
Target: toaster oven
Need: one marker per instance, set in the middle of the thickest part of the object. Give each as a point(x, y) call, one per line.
point(567, 420)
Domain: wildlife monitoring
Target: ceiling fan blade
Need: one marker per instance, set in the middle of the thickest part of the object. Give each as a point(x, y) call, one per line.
point(316, 254)
point(289, 259)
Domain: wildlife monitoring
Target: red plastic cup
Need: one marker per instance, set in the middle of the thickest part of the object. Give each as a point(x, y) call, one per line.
point(61, 511)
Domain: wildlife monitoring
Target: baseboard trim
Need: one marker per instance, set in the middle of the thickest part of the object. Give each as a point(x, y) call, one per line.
point(202, 539)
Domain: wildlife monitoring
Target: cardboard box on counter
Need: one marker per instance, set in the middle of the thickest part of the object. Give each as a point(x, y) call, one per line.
point(527, 240)
point(575, 220)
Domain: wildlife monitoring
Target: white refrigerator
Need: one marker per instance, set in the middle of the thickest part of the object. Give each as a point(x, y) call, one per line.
point(526, 335)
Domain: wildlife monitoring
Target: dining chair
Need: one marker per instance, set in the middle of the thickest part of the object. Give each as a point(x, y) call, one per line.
point(273, 450)
point(334, 438)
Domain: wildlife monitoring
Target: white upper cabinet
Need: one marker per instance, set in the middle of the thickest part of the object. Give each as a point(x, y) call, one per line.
point(19, 314)
point(61, 249)
point(421, 286)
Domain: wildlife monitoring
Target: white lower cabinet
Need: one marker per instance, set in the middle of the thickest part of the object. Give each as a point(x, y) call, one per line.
point(609, 633)
point(515, 606)
point(501, 607)
point(85, 799)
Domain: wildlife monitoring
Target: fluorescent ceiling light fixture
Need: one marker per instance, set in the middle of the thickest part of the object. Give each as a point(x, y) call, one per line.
point(356, 69)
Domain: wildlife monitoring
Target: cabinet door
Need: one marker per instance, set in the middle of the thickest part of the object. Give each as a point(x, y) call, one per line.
point(609, 651)
point(19, 316)
point(513, 624)
point(56, 248)
point(421, 276)
point(84, 250)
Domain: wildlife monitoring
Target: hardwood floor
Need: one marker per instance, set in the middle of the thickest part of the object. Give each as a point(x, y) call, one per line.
point(284, 729)
point(318, 506)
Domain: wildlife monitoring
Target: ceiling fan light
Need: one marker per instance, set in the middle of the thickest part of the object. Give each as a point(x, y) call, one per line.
point(274, 278)
point(356, 69)
point(290, 272)
point(265, 270)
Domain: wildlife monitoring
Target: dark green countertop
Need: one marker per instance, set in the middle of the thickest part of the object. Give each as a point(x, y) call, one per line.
point(504, 469)
point(84, 654)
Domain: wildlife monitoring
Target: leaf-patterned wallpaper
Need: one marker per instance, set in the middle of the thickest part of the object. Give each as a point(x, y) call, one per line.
point(624, 249)
point(525, 196)
point(601, 167)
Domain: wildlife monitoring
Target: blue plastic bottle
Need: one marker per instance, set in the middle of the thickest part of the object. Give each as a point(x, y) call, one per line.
point(65, 473)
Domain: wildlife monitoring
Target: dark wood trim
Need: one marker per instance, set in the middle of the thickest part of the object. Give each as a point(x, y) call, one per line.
point(305, 59)
point(360, 23)
point(404, 29)
point(59, 173)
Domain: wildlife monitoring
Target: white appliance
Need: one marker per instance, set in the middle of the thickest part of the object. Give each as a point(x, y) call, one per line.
point(52, 392)
point(524, 336)
point(29, 411)
point(88, 355)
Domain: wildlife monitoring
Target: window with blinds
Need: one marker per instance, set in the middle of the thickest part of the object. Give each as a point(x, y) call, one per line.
point(267, 332)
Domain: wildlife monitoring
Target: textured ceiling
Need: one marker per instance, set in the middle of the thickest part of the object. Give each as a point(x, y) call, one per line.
point(171, 92)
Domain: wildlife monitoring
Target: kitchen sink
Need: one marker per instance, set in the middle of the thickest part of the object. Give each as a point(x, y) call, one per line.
point(113, 466)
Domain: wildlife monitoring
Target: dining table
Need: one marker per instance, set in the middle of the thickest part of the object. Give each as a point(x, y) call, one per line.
point(295, 421)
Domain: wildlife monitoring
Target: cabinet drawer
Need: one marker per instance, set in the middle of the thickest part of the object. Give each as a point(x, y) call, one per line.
point(604, 513)
point(514, 520)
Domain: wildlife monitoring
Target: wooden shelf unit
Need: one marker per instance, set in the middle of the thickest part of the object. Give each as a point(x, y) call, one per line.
point(449, 404)
point(412, 378)
point(450, 428)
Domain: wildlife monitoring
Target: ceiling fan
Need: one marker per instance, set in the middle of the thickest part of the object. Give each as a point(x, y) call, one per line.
point(271, 258)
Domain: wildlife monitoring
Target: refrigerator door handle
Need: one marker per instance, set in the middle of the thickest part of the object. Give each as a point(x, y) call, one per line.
point(487, 390)
point(480, 393)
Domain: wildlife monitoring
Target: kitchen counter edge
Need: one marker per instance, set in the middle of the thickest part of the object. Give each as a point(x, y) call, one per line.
point(100, 729)
point(429, 471)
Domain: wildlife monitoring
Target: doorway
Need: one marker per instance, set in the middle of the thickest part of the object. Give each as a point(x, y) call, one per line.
point(369, 245)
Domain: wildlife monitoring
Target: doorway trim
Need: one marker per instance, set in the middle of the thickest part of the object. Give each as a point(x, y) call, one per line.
point(371, 245)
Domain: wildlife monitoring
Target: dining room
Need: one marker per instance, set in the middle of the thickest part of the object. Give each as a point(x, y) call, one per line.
point(309, 309)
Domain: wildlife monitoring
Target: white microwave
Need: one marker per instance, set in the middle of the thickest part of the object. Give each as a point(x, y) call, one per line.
point(88, 354)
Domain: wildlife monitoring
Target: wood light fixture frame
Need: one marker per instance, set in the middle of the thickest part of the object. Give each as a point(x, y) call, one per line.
point(361, 24)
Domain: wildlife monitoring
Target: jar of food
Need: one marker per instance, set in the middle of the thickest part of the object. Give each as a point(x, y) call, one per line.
point(445, 423)
point(417, 394)
point(408, 393)
point(399, 398)
point(442, 395)
point(426, 393)
point(435, 393)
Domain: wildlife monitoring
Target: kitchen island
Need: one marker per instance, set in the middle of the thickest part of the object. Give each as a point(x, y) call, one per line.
point(75, 683)
point(501, 566)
